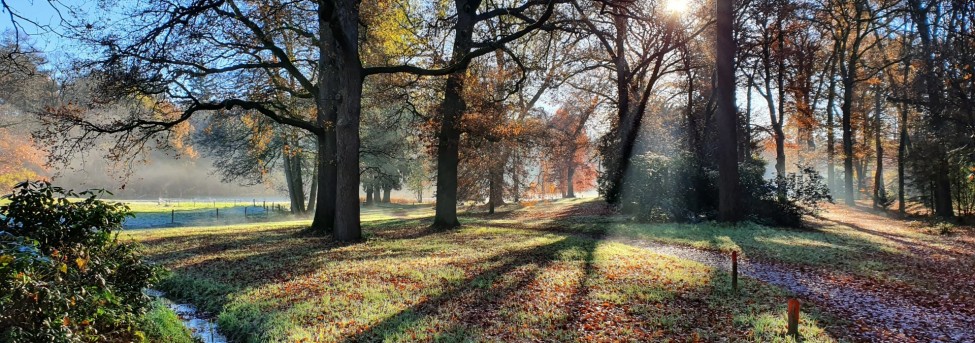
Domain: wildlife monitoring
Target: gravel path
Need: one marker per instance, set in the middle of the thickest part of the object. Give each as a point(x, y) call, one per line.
point(886, 317)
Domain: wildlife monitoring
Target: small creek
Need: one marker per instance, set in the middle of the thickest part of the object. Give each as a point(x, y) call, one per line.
point(203, 329)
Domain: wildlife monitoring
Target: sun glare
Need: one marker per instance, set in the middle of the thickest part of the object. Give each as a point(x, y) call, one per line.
point(676, 6)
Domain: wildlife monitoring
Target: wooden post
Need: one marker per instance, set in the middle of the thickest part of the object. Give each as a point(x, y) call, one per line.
point(734, 271)
point(245, 211)
point(265, 205)
point(172, 217)
point(254, 202)
point(793, 311)
point(218, 212)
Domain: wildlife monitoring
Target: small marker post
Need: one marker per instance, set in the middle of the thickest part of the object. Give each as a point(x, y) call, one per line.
point(734, 271)
point(218, 212)
point(172, 217)
point(793, 313)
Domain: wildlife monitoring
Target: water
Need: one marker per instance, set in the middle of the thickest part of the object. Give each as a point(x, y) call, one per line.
point(202, 329)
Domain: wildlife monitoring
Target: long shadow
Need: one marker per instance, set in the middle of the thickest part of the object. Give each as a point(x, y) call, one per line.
point(911, 245)
point(578, 301)
point(485, 301)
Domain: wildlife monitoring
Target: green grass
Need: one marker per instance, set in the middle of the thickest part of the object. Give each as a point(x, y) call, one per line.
point(480, 283)
point(160, 324)
point(895, 255)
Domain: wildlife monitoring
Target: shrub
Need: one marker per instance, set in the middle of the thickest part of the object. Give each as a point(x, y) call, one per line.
point(660, 188)
point(65, 275)
point(804, 192)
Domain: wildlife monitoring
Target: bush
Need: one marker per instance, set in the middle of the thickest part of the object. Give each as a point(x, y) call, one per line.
point(655, 191)
point(661, 188)
point(65, 275)
point(803, 193)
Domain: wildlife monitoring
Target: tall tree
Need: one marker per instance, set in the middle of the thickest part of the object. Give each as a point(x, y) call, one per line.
point(727, 116)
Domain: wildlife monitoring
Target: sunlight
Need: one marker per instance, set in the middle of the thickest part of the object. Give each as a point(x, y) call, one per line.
point(677, 6)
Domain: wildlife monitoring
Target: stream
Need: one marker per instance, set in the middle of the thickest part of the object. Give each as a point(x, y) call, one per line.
point(202, 329)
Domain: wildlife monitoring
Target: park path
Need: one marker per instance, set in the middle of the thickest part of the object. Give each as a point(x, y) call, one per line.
point(879, 316)
point(876, 314)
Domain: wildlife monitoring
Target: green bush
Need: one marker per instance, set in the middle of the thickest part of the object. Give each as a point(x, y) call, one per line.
point(763, 202)
point(661, 188)
point(65, 275)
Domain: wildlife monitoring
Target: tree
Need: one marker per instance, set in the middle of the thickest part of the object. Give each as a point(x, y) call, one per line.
point(463, 49)
point(570, 141)
point(638, 42)
point(727, 115)
point(232, 43)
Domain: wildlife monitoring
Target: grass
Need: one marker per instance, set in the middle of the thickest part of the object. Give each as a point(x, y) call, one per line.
point(887, 252)
point(149, 206)
point(270, 282)
point(160, 324)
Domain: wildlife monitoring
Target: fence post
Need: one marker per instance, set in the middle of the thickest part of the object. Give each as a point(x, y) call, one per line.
point(245, 211)
point(255, 202)
point(172, 217)
point(734, 271)
point(793, 310)
point(218, 212)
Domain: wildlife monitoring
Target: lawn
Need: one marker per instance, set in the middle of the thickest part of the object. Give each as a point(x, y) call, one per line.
point(483, 282)
point(855, 245)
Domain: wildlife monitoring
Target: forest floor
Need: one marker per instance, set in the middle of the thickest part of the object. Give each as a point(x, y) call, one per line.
point(571, 270)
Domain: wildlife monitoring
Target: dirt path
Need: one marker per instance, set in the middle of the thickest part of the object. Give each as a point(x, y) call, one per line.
point(885, 317)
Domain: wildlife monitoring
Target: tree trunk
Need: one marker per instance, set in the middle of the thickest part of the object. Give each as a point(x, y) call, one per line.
point(299, 185)
point(570, 188)
point(386, 193)
point(347, 228)
point(830, 130)
point(289, 180)
point(516, 177)
point(942, 182)
point(313, 190)
point(901, 155)
point(368, 195)
point(777, 124)
point(628, 118)
point(727, 116)
point(327, 112)
point(453, 107)
point(847, 111)
point(879, 193)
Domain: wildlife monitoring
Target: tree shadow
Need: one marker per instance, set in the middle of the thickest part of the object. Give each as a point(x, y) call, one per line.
point(481, 295)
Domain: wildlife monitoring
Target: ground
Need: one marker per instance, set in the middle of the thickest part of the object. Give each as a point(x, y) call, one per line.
point(571, 270)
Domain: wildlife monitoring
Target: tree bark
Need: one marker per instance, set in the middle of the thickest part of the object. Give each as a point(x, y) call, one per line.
point(453, 107)
point(299, 184)
point(942, 182)
point(289, 180)
point(313, 190)
point(569, 187)
point(327, 114)
point(347, 228)
point(879, 193)
point(830, 128)
point(386, 194)
point(846, 109)
point(727, 116)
